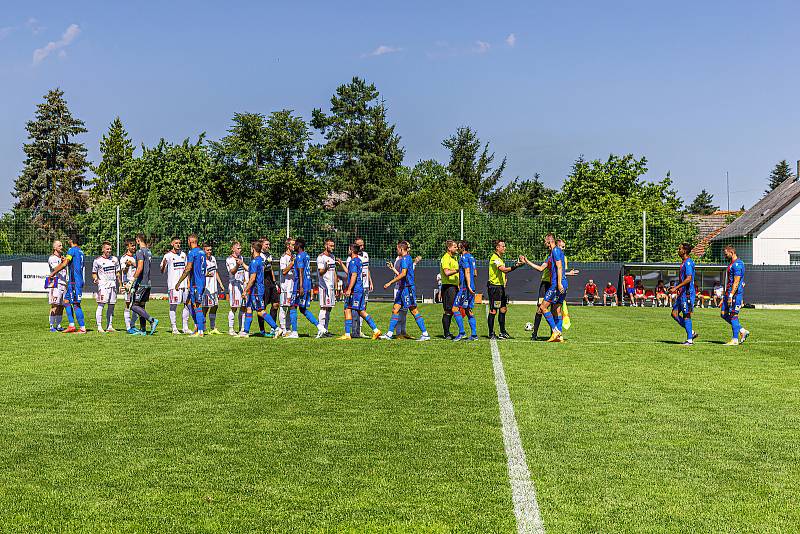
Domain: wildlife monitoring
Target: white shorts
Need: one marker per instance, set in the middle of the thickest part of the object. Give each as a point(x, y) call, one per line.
point(287, 289)
point(56, 295)
point(106, 295)
point(235, 294)
point(327, 296)
point(176, 296)
point(210, 299)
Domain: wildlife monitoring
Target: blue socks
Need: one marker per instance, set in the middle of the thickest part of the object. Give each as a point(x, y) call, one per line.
point(548, 316)
point(293, 319)
point(460, 322)
point(688, 323)
point(736, 326)
point(70, 317)
point(270, 321)
point(680, 321)
point(348, 325)
point(370, 322)
point(79, 316)
point(248, 320)
point(310, 316)
point(473, 325)
point(560, 323)
point(393, 322)
point(420, 322)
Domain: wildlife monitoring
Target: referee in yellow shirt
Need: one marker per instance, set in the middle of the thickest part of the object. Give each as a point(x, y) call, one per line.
point(498, 300)
point(448, 269)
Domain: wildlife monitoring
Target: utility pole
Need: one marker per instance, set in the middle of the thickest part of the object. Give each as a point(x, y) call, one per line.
point(728, 189)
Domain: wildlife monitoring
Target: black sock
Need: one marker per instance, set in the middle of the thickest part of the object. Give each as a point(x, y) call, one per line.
point(501, 318)
point(274, 314)
point(446, 323)
point(143, 315)
point(491, 324)
point(536, 322)
point(260, 323)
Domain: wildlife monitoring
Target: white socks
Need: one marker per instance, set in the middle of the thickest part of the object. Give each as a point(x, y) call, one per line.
point(110, 316)
point(173, 315)
point(185, 316)
point(98, 315)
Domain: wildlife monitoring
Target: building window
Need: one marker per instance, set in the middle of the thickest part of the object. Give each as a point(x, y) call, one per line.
point(794, 258)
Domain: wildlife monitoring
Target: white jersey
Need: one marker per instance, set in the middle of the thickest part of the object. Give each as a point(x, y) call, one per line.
point(328, 279)
point(241, 271)
point(211, 275)
point(287, 278)
point(364, 269)
point(61, 276)
point(176, 264)
point(106, 270)
point(127, 265)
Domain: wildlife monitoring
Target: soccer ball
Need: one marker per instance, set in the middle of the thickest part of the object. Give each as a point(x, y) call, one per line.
point(528, 326)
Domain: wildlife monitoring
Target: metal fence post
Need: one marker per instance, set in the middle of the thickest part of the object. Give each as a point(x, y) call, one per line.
point(644, 236)
point(462, 225)
point(287, 223)
point(118, 230)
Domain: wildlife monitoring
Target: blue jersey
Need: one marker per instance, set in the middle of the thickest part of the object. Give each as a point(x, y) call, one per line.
point(198, 260)
point(466, 261)
point(75, 257)
point(257, 268)
point(687, 270)
point(408, 280)
point(302, 261)
point(555, 255)
point(736, 268)
point(354, 268)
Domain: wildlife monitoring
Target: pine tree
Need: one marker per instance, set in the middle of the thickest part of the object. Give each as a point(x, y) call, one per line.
point(55, 166)
point(116, 151)
point(472, 165)
point(780, 173)
point(702, 204)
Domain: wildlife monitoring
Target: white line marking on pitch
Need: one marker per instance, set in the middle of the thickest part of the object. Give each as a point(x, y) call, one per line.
point(523, 493)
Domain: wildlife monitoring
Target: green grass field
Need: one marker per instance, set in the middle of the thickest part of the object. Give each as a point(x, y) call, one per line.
point(624, 430)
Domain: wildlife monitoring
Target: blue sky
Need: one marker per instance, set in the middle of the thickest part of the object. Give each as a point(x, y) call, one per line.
point(699, 88)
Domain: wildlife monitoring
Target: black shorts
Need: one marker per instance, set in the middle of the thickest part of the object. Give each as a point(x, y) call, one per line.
point(497, 297)
point(544, 285)
point(591, 297)
point(140, 295)
point(449, 292)
point(271, 293)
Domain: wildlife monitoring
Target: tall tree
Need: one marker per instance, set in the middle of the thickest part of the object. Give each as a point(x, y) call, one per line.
point(116, 151)
point(523, 197)
point(55, 165)
point(703, 204)
point(779, 174)
point(471, 164)
point(361, 152)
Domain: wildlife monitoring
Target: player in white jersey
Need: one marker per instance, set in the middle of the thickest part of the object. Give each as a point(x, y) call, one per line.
point(127, 265)
point(326, 284)
point(174, 262)
point(237, 277)
point(57, 286)
point(106, 274)
point(287, 284)
point(212, 291)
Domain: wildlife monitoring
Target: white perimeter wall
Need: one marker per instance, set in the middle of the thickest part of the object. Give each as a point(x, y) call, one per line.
point(772, 244)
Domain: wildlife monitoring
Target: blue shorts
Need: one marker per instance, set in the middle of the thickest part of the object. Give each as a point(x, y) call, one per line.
point(464, 299)
point(255, 302)
point(356, 301)
point(554, 296)
point(406, 297)
point(732, 311)
point(74, 293)
point(630, 290)
point(196, 295)
point(683, 304)
point(301, 301)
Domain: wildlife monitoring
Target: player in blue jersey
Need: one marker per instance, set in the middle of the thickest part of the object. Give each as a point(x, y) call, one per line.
point(554, 297)
point(301, 298)
point(465, 298)
point(254, 292)
point(355, 295)
point(734, 296)
point(195, 271)
point(73, 262)
point(685, 293)
point(406, 294)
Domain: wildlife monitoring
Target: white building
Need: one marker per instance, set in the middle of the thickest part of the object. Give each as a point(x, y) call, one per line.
point(769, 232)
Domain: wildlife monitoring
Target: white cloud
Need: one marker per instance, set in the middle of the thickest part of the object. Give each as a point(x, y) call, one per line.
point(511, 40)
point(34, 26)
point(481, 47)
point(69, 35)
point(382, 50)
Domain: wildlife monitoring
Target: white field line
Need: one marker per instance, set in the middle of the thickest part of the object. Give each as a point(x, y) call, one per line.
point(523, 492)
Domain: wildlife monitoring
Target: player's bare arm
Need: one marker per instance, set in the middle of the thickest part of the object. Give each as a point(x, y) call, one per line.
point(60, 267)
point(400, 276)
point(184, 275)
